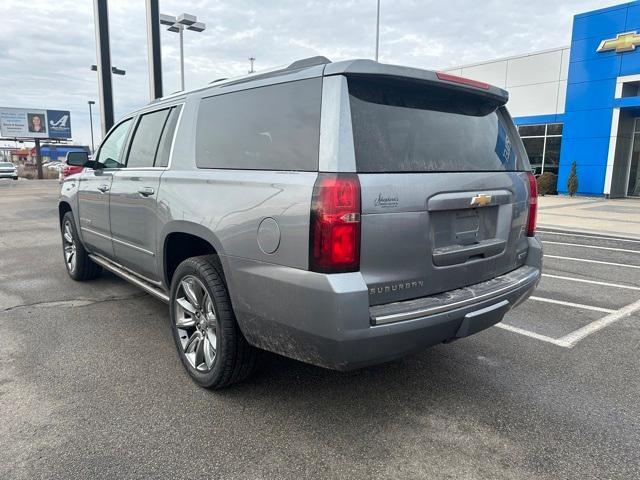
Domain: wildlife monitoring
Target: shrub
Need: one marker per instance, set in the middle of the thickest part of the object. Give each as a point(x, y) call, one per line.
point(548, 184)
point(572, 181)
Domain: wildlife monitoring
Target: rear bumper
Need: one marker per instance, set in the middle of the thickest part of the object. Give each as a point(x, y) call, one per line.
point(326, 319)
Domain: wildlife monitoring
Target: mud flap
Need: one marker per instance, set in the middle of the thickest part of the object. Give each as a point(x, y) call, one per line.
point(480, 319)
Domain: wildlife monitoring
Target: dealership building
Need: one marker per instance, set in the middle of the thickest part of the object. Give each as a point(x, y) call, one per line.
point(579, 103)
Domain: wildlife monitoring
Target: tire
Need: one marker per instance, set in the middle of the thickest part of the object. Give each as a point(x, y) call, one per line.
point(79, 266)
point(201, 318)
point(15, 178)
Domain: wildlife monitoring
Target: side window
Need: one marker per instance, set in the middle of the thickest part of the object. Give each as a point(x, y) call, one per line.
point(110, 153)
point(276, 127)
point(164, 150)
point(142, 152)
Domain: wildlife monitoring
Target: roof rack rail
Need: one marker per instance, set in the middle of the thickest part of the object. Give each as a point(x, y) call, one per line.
point(297, 65)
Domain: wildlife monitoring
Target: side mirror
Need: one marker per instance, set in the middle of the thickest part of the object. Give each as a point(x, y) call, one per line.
point(77, 159)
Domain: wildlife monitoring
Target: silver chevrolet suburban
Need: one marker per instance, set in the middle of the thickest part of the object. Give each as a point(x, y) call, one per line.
point(342, 214)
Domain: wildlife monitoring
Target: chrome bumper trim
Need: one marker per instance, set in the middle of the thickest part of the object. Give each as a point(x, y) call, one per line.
point(529, 277)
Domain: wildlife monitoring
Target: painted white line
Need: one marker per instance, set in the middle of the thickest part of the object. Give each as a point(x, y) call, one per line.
point(547, 242)
point(539, 230)
point(537, 336)
point(593, 282)
point(592, 261)
point(574, 337)
point(570, 304)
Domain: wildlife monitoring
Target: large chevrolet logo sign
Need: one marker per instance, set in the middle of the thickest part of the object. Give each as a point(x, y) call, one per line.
point(624, 42)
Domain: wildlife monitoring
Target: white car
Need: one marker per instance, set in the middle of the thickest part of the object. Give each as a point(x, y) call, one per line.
point(54, 165)
point(8, 170)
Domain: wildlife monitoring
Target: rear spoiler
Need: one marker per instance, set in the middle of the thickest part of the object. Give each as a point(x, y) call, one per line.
point(441, 79)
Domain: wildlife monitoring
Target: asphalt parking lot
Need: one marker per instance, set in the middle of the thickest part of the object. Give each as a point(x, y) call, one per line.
point(90, 385)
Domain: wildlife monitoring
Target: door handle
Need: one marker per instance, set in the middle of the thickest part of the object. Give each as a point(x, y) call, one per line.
point(103, 188)
point(146, 191)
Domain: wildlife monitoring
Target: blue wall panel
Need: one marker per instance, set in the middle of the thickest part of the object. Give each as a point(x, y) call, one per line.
point(589, 95)
point(633, 16)
point(590, 155)
point(587, 49)
point(588, 123)
point(600, 22)
point(595, 69)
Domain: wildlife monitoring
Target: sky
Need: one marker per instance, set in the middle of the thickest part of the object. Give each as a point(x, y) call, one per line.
point(47, 47)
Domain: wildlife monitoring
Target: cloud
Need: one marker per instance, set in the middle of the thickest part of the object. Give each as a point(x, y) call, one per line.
point(46, 47)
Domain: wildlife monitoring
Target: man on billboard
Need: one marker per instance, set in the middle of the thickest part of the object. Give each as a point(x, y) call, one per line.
point(36, 123)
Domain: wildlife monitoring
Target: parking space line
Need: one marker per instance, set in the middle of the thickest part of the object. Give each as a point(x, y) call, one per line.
point(592, 261)
point(571, 304)
point(547, 242)
point(549, 232)
point(535, 335)
point(593, 282)
point(574, 337)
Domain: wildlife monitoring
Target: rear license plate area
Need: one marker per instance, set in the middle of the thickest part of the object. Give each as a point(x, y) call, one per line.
point(464, 226)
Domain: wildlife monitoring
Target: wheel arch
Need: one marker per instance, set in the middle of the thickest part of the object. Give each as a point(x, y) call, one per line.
point(181, 240)
point(63, 208)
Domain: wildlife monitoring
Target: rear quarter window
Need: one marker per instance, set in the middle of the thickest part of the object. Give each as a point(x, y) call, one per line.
point(276, 127)
point(401, 126)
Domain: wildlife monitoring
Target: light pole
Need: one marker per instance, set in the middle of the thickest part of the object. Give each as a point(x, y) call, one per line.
point(377, 30)
point(91, 102)
point(177, 25)
point(251, 62)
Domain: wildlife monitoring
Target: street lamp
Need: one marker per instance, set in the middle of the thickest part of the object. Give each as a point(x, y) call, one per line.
point(91, 102)
point(114, 70)
point(177, 25)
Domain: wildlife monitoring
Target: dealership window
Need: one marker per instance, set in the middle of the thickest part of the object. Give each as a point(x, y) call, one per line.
point(542, 143)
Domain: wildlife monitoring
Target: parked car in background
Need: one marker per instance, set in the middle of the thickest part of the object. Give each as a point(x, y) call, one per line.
point(8, 170)
point(342, 214)
point(55, 165)
point(67, 170)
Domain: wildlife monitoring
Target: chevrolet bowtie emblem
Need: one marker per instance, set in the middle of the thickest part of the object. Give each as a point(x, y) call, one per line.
point(624, 42)
point(481, 200)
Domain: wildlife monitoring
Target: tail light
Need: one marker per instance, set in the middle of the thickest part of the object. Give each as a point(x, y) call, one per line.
point(533, 205)
point(334, 241)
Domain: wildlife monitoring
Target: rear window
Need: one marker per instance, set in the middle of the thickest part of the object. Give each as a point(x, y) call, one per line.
point(400, 126)
point(276, 127)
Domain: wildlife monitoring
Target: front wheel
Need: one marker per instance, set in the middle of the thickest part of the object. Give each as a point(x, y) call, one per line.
point(210, 344)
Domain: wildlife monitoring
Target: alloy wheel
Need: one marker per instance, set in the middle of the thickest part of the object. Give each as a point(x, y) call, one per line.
point(69, 246)
point(196, 323)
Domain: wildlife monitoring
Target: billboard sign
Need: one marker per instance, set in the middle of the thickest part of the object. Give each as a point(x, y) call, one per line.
point(33, 123)
point(59, 123)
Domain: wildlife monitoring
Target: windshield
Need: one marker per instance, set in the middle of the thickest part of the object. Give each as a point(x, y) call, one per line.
point(5, 164)
point(400, 126)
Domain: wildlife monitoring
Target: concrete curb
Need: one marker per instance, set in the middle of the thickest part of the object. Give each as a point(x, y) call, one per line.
point(596, 233)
